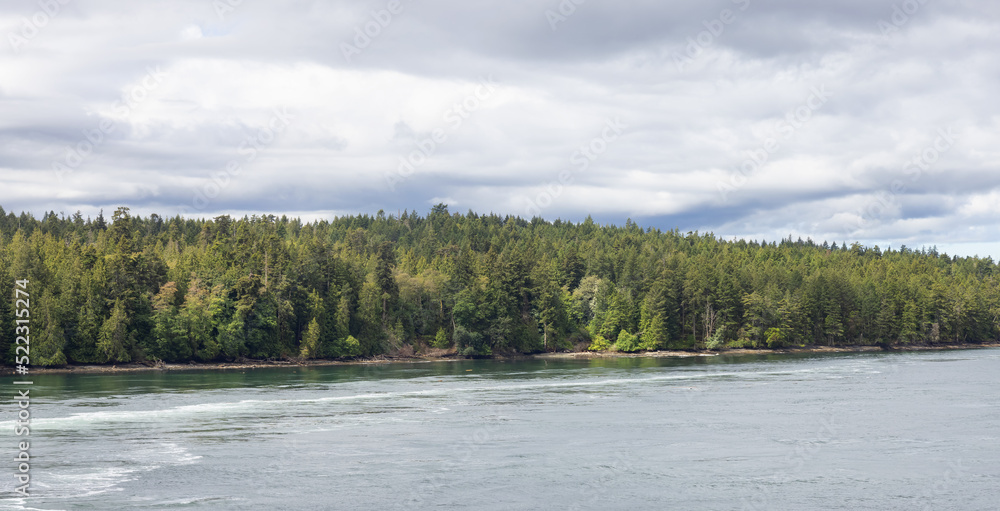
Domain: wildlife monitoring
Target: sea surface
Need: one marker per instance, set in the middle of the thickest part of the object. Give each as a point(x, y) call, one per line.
point(908, 431)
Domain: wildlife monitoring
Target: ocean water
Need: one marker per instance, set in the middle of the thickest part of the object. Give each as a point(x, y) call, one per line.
point(913, 430)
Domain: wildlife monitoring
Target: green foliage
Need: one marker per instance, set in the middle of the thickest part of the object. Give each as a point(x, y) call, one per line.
point(629, 343)
point(350, 347)
point(775, 338)
point(441, 340)
point(469, 342)
point(370, 317)
point(49, 347)
point(654, 334)
point(739, 343)
point(179, 289)
point(311, 340)
point(116, 340)
point(170, 336)
point(618, 316)
point(599, 343)
point(196, 317)
point(717, 340)
point(48, 343)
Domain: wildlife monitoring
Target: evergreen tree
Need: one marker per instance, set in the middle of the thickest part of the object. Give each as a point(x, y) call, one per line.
point(180, 289)
point(116, 340)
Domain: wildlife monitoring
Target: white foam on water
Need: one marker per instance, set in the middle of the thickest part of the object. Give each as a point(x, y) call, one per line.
point(164, 453)
point(82, 483)
point(257, 406)
point(21, 504)
point(187, 501)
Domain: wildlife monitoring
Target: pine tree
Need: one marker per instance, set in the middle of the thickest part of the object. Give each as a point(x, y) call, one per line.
point(311, 340)
point(47, 348)
point(223, 288)
point(116, 341)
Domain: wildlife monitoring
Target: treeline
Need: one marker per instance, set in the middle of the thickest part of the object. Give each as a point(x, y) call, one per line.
point(261, 287)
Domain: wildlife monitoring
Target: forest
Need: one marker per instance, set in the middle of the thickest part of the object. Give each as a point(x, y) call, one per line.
point(134, 289)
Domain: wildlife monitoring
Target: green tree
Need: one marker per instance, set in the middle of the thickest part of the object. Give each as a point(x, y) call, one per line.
point(47, 348)
point(170, 336)
point(599, 343)
point(441, 340)
point(311, 340)
point(116, 341)
point(196, 316)
point(627, 342)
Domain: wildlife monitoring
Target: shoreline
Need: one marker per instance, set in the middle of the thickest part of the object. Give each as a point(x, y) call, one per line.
point(765, 351)
point(265, 364)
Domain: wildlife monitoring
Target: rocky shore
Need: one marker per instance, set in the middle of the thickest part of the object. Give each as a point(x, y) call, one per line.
point(443, 356)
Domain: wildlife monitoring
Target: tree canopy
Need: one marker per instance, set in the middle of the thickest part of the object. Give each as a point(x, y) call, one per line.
point(179, 289)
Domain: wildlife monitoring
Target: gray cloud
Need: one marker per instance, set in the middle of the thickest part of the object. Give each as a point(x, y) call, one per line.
point(700, 94)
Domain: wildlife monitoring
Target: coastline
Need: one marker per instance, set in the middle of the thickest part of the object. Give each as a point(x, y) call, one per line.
point(766, 351)
point(265, 364)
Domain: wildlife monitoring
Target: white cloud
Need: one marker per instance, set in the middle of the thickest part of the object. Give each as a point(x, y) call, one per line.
point(224, 77)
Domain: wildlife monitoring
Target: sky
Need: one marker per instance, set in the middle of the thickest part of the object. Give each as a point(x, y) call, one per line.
point(859, 120)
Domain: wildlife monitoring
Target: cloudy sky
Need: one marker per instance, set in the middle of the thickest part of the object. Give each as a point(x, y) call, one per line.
point(858, 120)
